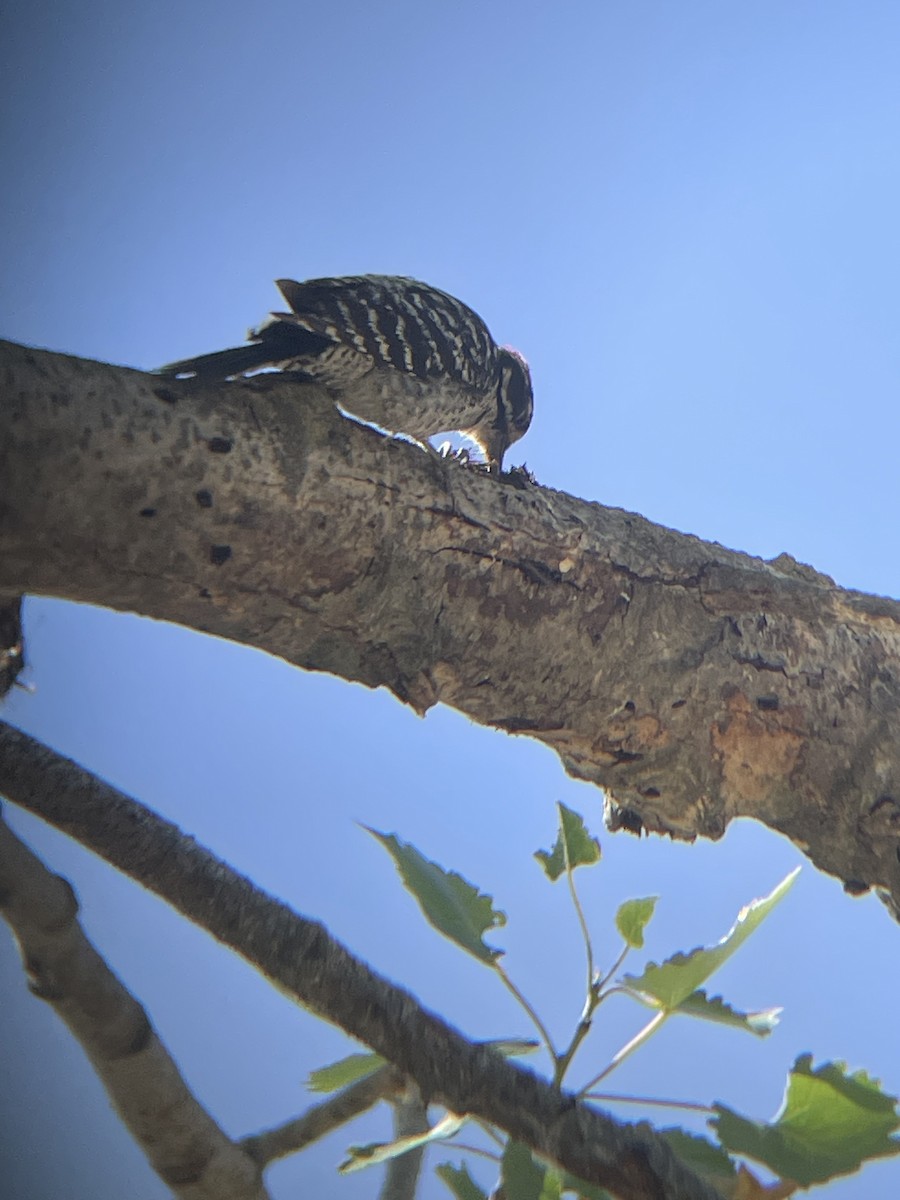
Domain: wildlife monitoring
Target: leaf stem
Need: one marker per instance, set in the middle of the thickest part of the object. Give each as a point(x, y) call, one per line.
point(612, 970)
point(465, 1148)
point(629, 1048)
point(591, 999)
point(589, 950)
point(648, 1101)
point(488, 1129)
point(538, 1023)
point(582, 1030)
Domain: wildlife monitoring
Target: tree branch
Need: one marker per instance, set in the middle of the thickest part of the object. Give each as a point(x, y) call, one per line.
point(401, 1175)
point(694, 683)
point(184, 1145)
point(300, 957)
point(321, 1119)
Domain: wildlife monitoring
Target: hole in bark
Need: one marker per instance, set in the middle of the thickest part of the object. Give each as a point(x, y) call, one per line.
point(627, 819)
point(220, 445)
point(219, 555)
point(148, 512)
point(679, 703)
point(204, 498)
point(626, 756)
point(881, 802)
point(767, 703)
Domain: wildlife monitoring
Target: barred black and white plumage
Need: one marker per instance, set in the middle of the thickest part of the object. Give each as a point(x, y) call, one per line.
point(392, 351)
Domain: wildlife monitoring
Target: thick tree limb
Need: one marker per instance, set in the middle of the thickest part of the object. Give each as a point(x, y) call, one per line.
point(184, 1145)
point(694, 683)
point(299, 956)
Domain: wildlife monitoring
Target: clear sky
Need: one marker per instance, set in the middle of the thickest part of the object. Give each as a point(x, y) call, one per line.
point(685, 215)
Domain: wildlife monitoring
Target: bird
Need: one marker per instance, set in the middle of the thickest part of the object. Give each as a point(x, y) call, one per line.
point(392, 351)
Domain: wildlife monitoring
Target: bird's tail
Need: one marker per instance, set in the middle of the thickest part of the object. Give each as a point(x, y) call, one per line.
point(221, 364)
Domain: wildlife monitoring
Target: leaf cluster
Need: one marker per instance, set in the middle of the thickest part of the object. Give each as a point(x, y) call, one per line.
point(830, 1123)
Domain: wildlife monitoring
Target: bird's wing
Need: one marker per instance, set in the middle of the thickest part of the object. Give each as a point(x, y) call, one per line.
point(398, 322)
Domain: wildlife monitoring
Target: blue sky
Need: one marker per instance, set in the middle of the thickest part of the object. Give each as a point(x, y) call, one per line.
point(685, 215)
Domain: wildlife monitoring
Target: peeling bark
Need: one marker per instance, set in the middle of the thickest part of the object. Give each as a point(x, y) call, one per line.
point(695, 684)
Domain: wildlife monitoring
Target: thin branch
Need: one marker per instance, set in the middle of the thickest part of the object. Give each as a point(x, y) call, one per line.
point(529, 1009)
point(299, 956)
point(402, 1173)
point(321, 1119)
point(601, 983)
point(629, 1048)
point(182, 1142)
point(585, 932)
point(591, 997)
point(649, 1102)
point(582, 1029)
point(480, 1151)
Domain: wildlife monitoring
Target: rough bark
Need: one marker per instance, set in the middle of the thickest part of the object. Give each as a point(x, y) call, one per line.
point(695, 684)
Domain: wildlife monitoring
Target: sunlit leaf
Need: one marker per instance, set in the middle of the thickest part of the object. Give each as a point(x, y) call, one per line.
point(379, 1152)
point(698, 1004)
point(513, 1047)
point(713, 1164)
point(669, 985)
point(574, 846)
point(450, 903)
point(829, 1124)
point(632, 919)
point(347, 1070)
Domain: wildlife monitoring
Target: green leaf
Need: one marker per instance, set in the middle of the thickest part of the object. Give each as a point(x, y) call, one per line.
point(379, 1152)
point(698, 1004)
point(513, 1047)
point(460, 1182)
point(574, 846)
point(451, 904)
point(829, 1124)
point(552, 1188)
point(348, 1070)
point(523, 1178)
point(632, 919)
point(669, 985)
point(700, 1153)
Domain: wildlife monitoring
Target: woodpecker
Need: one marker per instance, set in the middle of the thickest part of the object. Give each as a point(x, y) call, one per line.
point(390, 350)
